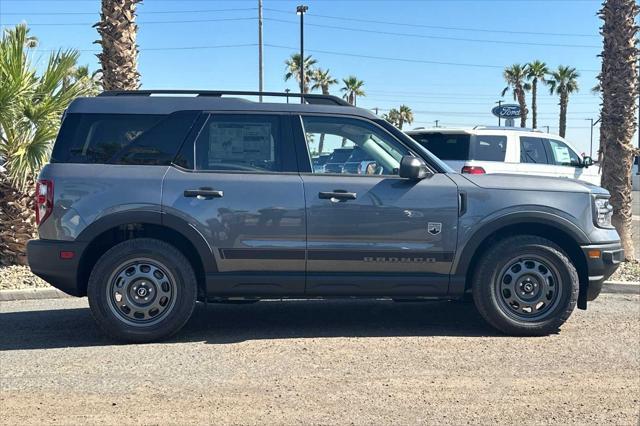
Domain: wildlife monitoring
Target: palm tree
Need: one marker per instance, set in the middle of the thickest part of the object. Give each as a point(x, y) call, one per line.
point(536, 72)
point(31, 104)
point(563, 82)
point(405, 115)
point(515, 76)
point(619, 89)
point(352, 89)
point(322, 80)
point(393, 117)
point(119, 57)
point(292, 69)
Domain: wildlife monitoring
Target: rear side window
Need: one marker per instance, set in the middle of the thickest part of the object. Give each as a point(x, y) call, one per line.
point(231, 142)
point(134, 139)
point(489, 148)
point(532, 151)
point(445, 146)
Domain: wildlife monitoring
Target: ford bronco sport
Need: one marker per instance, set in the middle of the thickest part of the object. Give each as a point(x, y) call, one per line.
point(152, 202)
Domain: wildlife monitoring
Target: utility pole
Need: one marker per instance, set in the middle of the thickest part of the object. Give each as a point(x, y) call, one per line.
point(301, 10)
point(376, 110)
point(499, 119)
point(437, 121)
point(260, 51)
point(593, 123)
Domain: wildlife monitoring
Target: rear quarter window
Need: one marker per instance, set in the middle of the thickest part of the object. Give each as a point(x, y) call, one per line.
point(489, 148)
point(133, 139)
point(445, 146)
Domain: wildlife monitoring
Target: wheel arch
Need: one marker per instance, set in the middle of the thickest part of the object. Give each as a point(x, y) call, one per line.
point(112, 229)
point(559, 230)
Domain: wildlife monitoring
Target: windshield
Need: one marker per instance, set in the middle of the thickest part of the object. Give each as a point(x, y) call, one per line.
point(340, 155)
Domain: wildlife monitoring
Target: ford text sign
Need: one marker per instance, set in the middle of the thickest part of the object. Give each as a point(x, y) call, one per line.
point(506, 111)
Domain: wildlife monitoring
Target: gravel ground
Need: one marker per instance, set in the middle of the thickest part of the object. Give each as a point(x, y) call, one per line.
point(329, 362)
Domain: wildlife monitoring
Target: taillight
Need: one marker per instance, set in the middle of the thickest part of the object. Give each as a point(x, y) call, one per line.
point(473, 170)
point(44, 200)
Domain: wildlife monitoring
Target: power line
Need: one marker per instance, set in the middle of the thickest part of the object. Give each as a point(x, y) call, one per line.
point(362, 30)
point(187, 21)
point(410, 60)
point(146, 49)
point(438, 27)
point(141, 12)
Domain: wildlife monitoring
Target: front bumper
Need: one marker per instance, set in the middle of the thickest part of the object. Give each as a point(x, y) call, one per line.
point(45, 260)
point(599, 268)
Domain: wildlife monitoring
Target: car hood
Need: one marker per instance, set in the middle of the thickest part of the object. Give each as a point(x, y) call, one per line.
point(533, 183)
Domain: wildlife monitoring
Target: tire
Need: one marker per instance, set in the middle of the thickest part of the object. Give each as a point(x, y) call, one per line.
point(525, 286)
point(142, 290)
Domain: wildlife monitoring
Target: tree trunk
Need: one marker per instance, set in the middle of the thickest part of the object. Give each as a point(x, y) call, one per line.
point(564, 101)
point(119, 57)
point(325, 89)
point(321, 144)
point(619, 84)
point(534, 103)
point(17, 223)
point(523, 106)
point(400, 123)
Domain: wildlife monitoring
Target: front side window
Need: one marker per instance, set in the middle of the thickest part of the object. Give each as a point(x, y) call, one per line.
point(532, 151)
point(353, 146)
point(562, 155)
point(249, 143)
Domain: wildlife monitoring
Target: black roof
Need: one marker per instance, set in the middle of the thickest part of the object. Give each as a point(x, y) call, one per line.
point(143, 102)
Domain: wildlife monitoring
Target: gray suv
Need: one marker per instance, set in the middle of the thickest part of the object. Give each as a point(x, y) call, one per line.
point(151, 203)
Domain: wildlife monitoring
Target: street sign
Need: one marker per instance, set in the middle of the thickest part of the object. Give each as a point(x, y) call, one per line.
point(506, 111)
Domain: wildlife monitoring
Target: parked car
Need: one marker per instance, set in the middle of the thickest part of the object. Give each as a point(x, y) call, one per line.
point(151, 203)
point(337, 158)
point(507, 150)
point(360, 163)
point(319, 162)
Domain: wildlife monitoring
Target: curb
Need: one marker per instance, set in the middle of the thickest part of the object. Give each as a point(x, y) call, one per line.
point(612, 287)
point(32, 294)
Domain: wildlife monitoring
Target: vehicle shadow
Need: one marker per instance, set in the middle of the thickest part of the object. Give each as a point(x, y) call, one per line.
point(225, 324)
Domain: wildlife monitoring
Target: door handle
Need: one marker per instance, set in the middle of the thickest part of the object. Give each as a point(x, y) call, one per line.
point(203, 193)
point(337, 195)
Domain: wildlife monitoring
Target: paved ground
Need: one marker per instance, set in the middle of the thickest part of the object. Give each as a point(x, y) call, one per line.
point(362, 362)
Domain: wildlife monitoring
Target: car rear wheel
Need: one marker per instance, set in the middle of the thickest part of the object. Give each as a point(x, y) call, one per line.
point(525, 285)
point(142, 290)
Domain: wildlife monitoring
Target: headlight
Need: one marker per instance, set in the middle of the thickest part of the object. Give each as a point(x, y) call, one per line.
point(602, 212)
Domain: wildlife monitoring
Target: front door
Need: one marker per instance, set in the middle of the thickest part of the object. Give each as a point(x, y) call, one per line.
point(370, 232)
point(238, 186)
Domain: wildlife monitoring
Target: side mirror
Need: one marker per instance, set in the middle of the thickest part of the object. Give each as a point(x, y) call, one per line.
point(413, 168)
point(587, 161)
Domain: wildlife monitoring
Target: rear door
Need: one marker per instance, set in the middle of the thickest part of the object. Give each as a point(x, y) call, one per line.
point(534, 157)
point(372, 232)
point(236, 183)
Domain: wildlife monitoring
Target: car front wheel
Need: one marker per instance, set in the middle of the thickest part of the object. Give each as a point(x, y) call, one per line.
point(525, 285)
point(142, 290)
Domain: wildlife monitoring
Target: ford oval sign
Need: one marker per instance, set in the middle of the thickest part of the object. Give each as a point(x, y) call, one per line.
point(507, 111)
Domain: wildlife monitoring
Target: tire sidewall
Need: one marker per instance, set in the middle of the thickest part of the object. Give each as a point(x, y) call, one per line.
point(493, 309)
point(172, 260)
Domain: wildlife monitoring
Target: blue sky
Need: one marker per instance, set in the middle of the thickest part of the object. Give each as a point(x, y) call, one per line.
point(444, 58)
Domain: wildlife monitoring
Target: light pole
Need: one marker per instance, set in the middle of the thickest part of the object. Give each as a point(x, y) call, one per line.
point(260, 52)
point(301, 10)
point(593, 123)
point(437, 121)
point(499, 119)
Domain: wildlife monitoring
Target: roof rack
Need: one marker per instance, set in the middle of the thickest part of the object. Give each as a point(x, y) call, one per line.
point(517, 129)
point(310, 98)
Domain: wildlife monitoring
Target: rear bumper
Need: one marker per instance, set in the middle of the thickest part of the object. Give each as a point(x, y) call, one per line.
point(601, 267)
point(45, 261)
